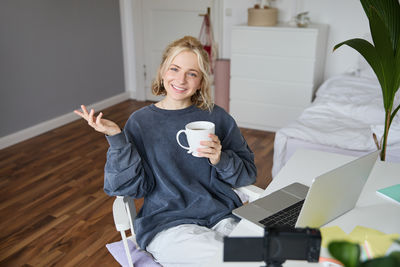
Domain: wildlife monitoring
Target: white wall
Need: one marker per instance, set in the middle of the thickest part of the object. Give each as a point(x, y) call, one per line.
point(54, 56)
point(346, 20)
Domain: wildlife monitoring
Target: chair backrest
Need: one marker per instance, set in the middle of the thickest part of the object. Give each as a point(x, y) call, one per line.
point(124, 212)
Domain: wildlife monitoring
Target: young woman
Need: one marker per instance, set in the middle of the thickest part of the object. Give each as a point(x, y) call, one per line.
point(187, 200)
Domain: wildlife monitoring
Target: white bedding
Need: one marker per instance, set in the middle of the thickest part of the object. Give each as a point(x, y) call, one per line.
point(345, 113)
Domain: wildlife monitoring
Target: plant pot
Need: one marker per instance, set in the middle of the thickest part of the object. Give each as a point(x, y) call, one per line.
point(262, 16)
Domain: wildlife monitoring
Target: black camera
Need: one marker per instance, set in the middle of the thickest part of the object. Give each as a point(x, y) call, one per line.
point(278, 245)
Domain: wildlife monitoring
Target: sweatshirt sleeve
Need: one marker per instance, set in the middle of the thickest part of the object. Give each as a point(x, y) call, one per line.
point(125, 173)
point(236, 166)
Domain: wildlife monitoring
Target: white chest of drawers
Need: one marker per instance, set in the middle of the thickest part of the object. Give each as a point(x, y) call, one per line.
point(274, 73)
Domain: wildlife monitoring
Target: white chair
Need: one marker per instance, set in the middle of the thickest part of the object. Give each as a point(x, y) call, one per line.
point(124, 212)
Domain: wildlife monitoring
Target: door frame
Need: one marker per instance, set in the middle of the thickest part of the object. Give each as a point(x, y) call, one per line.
point(133, 47)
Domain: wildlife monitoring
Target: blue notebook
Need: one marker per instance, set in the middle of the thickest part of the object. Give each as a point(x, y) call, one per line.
point(391, 192)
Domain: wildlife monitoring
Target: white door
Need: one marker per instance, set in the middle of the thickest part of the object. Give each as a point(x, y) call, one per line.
point(163, 22)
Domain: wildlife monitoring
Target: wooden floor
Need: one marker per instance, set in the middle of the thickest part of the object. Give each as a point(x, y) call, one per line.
point(52, 206)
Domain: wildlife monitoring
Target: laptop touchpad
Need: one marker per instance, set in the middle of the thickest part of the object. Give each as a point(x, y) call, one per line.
point(252, 211)
point(276, 201)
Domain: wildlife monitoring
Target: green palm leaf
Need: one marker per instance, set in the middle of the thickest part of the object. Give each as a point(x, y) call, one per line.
point(389, 11)
point(386, 56)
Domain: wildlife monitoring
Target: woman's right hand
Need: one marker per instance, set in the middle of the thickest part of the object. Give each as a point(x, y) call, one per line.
point(98, 123)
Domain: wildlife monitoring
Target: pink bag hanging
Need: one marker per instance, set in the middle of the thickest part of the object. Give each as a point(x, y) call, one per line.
point(207, 40)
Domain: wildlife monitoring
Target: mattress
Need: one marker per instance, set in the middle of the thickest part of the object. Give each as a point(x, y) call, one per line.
point(347, 110)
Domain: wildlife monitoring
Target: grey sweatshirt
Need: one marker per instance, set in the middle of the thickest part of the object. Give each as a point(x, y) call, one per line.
point(145, 160)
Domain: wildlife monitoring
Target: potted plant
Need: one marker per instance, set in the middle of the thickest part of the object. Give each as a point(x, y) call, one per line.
point(349, 254)
point(383, 55)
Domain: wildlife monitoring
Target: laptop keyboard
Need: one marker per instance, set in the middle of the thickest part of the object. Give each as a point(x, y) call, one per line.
point(287, 216)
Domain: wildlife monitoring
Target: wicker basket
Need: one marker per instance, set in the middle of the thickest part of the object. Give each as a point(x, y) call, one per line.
point(262, 16)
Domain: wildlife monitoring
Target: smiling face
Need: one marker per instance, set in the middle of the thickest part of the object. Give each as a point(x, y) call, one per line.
point(201, 98)
point(182, 79)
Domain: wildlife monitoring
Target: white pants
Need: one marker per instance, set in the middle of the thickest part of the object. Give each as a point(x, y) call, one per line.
point(189, 244)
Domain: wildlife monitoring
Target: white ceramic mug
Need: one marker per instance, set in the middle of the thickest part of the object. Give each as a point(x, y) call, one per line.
point(195, 132)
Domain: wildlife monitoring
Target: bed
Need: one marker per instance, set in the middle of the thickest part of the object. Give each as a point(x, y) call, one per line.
point(347, 109)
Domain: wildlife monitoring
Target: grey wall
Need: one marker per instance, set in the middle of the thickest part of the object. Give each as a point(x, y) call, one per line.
point(56, 55)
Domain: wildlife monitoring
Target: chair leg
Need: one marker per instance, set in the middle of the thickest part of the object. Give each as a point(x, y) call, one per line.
point(127, 252)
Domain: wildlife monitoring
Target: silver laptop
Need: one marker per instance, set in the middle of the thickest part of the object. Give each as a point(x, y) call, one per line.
point(330, 195)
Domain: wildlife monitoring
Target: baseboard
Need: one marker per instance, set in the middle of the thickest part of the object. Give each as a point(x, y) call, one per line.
point(45, 126)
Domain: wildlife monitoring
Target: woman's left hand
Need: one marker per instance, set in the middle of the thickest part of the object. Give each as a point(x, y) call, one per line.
point(212, 149)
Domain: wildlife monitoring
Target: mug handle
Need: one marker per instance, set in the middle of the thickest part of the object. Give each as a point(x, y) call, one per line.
point(177, 140)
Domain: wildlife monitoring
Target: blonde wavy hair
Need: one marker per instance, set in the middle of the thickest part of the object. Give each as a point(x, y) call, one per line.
point(202, 97)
